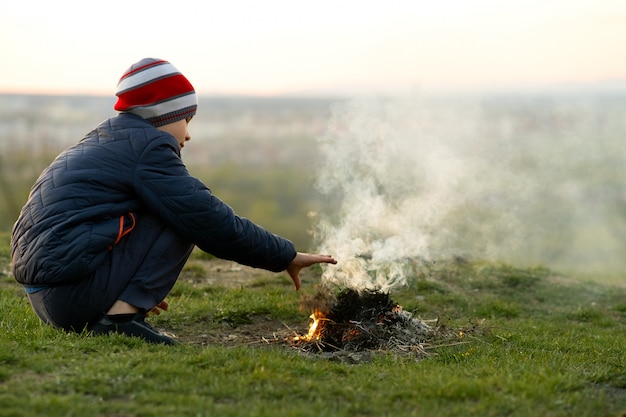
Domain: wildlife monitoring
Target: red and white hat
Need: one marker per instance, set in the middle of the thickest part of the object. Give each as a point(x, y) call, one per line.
point(155, 90)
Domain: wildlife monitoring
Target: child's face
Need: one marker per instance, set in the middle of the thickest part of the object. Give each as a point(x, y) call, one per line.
point(178, 130)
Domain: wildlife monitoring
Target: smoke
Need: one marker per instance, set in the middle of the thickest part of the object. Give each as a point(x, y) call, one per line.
point(424, 179)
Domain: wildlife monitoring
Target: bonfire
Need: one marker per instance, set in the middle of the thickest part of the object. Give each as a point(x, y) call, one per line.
point(362, 321)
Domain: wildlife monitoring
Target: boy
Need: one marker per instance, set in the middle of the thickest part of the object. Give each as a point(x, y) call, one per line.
point(110, 223)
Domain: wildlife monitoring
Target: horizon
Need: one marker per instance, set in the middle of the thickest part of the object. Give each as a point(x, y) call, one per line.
point(602, 87)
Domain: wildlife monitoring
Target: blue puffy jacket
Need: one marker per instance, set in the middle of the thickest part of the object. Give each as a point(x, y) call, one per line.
point(75, 210)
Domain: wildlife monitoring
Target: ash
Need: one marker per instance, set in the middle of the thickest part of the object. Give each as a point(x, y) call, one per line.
point(367, 320)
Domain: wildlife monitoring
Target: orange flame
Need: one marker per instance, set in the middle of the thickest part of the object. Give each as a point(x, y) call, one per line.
point(313, 333)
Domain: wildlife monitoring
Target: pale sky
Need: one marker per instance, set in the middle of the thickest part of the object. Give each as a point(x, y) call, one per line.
point(289, 46)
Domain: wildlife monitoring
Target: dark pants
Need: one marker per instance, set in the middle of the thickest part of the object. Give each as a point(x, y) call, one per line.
point(141, 269)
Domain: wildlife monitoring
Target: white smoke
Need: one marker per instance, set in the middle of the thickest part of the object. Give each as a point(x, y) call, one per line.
point(426, 179)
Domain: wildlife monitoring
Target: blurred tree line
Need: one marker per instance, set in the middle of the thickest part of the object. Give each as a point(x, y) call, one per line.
point(279, 198)
point(18, 172)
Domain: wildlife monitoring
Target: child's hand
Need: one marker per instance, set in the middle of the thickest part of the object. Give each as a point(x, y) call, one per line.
point(304, 260)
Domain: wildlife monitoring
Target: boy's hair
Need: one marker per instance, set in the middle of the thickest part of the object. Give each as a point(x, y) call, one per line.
point(155, 90)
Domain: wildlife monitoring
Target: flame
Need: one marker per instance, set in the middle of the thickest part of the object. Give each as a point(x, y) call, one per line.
point(313, 333)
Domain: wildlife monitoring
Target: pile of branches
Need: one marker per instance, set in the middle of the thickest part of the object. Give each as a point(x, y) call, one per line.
point(364, 320)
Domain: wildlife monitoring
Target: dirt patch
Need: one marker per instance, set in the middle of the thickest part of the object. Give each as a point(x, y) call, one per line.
point(223, 273)
point(233, 275)
point(261, 330)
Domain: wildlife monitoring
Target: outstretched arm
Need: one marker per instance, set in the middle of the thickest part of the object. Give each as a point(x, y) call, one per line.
point(299, 262)
point(305, 260)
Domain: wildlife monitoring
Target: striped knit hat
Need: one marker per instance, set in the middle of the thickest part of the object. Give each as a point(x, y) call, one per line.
point(155, 90)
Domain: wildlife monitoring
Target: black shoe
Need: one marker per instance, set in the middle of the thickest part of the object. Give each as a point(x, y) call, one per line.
point(135, 327)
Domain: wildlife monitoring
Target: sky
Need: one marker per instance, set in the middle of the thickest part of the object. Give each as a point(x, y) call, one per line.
point(276, 47)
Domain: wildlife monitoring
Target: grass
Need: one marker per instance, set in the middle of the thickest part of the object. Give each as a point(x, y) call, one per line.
point(548, 346)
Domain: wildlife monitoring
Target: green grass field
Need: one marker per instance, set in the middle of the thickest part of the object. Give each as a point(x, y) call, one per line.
point(542, 345)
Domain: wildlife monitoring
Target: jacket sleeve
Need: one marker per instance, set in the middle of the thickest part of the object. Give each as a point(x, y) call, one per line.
point(165, 186)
